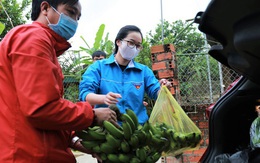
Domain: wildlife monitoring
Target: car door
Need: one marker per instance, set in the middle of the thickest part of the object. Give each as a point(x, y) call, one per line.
point(235, 26)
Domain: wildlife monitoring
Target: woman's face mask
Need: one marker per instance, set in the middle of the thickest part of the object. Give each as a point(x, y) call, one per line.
point(127, 52)
point(66, 26)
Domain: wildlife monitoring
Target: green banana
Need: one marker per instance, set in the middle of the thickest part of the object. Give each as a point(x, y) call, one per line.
point(133, 116)
point(135, 160)
point(146, 126)
point(125, 147)
point(127, 118)
point(103, 156)
point(96, 134)
point(113, 158)
point(123, 158)
point(156, 156)
point(197, 137)
point(127, 130)
point(141, 136)
point(134, 142)
point(149, 159)
point(148, 137)
point(96, 149)
point(116, 109)
point(114, 142)
point(94, 128)
point(141, 154)
point(106, 148)
point(194, 142)
point(113, 130)
point(84, 135)
point(88, 144)
point(155, 130)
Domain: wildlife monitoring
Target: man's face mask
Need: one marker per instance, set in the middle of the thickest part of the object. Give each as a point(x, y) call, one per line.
point(66, 26)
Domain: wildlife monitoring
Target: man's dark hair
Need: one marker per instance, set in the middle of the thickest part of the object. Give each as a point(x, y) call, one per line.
point(99, 53)
point(36, 6)
point(124, 31)
point(257, 102)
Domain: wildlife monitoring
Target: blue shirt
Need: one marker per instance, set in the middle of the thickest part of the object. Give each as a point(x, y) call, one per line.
point(106, 76)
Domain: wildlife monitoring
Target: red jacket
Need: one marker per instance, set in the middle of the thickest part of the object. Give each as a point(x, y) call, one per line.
point(36, 122)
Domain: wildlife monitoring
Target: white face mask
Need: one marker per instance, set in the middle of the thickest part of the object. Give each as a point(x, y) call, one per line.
point(127, 52)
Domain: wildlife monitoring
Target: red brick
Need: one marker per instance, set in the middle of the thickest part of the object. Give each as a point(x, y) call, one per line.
point(172, 48)
point(194, 159)
point(159, 66)
point(165, 74)
point(203, 125)
point(194, 117)
point(175, 82)
point(162, 48)
point(172, 90)
point(171, 64)
point(207, 142)
point(153, 57)
point(188, 152)
point(164, 56)
point(157, 49)
point(185, 159)
point(171, 159)
point(200, 151)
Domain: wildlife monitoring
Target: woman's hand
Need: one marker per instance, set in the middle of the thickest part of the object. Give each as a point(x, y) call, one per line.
point(166, 83)
point(111, 98)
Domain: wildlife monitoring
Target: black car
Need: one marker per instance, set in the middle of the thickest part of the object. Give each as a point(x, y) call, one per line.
point(234, 25)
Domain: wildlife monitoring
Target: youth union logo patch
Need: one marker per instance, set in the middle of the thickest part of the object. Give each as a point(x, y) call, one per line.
point(137, 85)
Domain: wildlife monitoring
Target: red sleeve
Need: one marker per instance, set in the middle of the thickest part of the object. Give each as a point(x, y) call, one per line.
point(38, 81)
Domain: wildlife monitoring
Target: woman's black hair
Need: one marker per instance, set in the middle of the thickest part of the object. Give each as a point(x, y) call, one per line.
point(36, 6)
point(124, 31)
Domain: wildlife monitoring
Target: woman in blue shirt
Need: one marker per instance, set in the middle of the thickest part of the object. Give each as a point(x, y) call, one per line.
point(119, 79)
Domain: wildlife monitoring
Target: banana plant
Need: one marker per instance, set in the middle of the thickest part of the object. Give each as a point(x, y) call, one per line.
point(2, 27)
point(105, 45)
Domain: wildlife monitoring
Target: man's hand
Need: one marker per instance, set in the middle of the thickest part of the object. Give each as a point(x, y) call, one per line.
point(78, 146)
point(103, 114)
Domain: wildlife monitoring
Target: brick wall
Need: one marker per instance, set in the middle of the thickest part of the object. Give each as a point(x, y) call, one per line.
point(164, 66)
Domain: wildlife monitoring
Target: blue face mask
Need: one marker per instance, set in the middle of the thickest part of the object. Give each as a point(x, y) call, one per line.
point(66, 26)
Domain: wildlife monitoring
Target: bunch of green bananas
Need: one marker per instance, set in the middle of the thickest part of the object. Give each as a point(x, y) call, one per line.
point(132, 142)
point(166, 140)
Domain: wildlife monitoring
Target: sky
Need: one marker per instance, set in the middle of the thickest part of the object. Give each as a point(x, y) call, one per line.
point(145, 14)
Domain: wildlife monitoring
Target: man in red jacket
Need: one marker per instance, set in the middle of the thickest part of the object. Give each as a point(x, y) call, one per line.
point(37, 124)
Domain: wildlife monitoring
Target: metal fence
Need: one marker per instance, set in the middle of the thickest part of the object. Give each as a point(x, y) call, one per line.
point(202, 79)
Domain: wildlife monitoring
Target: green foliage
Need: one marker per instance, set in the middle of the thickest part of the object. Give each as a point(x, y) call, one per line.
point(2, 27)
point(99, 44)
point(12, 14)
point(71, 92)
point(104, 45)
point(182, 35)
point(186, 39)
point(144, 56)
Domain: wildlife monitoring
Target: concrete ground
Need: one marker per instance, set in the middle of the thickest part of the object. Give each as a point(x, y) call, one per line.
point(84, 158)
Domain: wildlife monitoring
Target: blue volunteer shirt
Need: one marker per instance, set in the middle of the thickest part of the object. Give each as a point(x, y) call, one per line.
point(106, 76)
